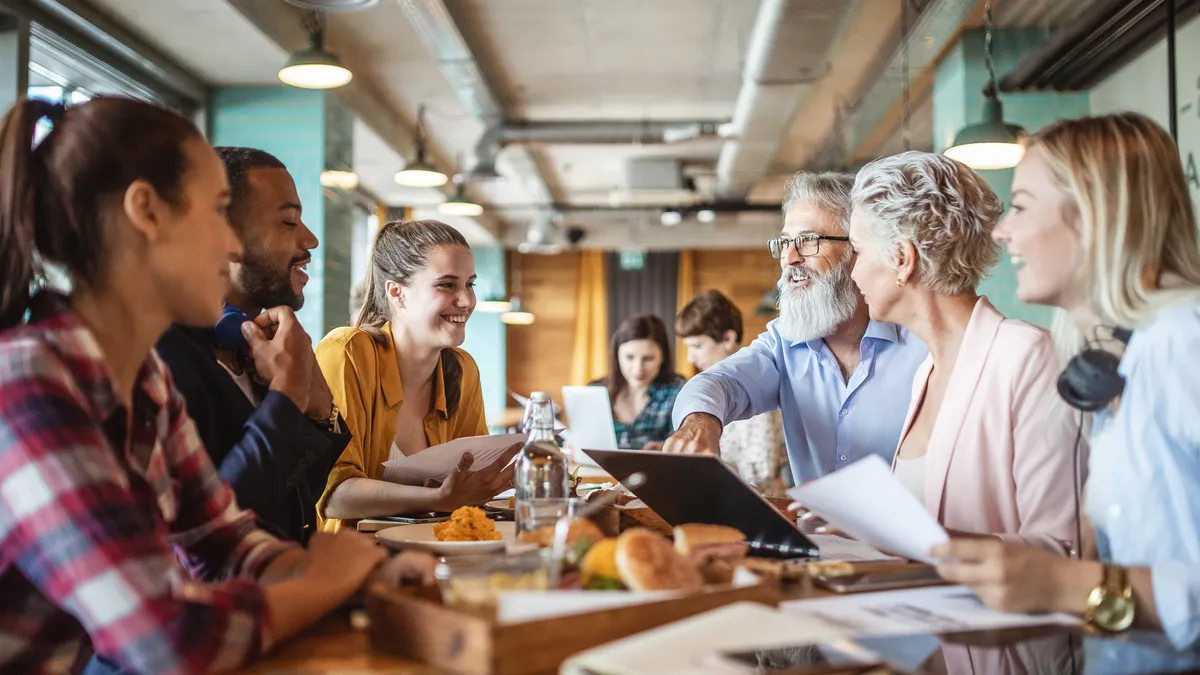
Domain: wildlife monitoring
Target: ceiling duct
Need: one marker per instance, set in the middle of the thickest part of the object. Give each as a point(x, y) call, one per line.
point(654, 180)
point(333, 6)
point(498, 136)
point(1105, 37)
point(445, 42)
point(788, 51)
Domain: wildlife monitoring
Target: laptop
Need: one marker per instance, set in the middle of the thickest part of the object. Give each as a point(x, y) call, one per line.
point(589, 420)
point(703, 489)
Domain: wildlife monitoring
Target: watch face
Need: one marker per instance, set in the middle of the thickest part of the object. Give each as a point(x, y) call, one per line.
point(1114, 613)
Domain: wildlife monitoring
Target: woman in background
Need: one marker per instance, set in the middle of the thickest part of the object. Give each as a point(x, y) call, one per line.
point(642, 383)
point(711, 328)
point(400, 380)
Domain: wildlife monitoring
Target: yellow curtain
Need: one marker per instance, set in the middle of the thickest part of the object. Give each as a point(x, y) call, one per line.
point(687, 291)
point(589, 354)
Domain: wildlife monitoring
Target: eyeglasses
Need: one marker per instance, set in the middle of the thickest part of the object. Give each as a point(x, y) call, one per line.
point(806, 244)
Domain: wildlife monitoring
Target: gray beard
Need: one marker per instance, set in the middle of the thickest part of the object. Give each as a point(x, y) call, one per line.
point(816, 312)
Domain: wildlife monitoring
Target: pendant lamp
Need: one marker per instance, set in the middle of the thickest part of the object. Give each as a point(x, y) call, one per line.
point(992, 143)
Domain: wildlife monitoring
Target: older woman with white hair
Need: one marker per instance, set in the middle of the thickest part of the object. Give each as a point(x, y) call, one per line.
point(988, 446)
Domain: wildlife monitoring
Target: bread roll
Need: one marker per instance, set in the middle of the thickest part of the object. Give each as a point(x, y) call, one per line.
point(647, 562)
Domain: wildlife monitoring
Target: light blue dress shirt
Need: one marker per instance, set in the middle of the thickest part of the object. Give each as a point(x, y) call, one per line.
point(1143, 490)
point(828, 422)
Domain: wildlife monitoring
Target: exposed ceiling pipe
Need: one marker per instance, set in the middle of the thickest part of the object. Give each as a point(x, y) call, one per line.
point(441, 37)
point(785, 33)
point(938, 24)
point(498, 136)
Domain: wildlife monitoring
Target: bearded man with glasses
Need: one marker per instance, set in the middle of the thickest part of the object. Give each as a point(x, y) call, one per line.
point(841, 381)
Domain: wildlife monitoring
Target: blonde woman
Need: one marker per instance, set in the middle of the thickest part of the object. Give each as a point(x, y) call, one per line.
point(987, 444)
point(1102, 227)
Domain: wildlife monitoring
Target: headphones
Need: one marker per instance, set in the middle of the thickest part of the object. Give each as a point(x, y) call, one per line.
point(227, 333)
point(1091, 379)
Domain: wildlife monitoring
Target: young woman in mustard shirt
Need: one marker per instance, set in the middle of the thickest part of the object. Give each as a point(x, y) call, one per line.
point(400, 380)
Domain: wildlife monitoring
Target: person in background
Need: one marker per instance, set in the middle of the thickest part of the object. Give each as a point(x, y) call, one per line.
point(711, 328)
point(1102, 227)
point(117, 530)
point(988, 446)
point(254, 390)
point(642, 383)
point(401, 380)
point(841, 381)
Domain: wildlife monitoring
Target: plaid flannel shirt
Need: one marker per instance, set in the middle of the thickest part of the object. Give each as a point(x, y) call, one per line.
point(654, 422)
point(109, 520)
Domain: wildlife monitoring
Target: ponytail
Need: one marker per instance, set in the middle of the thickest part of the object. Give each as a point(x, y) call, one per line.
point(54, 197)
point(452, 374)
point(373, 313)
point(22, 192)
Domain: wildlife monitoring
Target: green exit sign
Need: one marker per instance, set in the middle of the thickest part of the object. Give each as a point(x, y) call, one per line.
point(632, 260)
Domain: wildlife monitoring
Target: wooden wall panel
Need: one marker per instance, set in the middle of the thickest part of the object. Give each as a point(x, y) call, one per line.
point(539, 355)
point(743, 276)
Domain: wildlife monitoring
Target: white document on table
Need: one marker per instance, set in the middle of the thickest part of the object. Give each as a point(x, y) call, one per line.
point(940, 609)
point(841, 549)
point(867, 502)
point(437, 462)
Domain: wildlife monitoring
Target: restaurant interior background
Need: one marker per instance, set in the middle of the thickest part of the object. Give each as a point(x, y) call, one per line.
point(622, 155)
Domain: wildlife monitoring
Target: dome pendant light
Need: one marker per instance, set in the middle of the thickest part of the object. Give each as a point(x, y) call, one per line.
point(991, 144)
point(460, 205)
point(420, 173)
point(315, 68)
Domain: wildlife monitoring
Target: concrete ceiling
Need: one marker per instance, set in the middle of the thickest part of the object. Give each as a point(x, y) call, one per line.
point(599, 61)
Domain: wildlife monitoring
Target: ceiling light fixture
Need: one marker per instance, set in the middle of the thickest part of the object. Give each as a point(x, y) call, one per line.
point(341, 180)
point(516, 316)
point(420, 173)
point(991, 144)
point(333, 5)
point(671, 218)
point(706, 215)
point(493, 306)
point(313, 67)
point(460, 205)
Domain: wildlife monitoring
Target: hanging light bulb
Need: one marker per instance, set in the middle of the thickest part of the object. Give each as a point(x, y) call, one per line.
point(420, 173)
point(991, 144)
point(315, 68)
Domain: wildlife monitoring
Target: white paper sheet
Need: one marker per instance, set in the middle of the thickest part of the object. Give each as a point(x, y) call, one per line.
point(437, 462)
point(939, 609)
point(867, 502)
point(842, 549)
point(689, 646)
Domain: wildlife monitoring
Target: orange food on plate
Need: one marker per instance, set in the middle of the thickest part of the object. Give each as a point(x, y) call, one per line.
point(468, 523)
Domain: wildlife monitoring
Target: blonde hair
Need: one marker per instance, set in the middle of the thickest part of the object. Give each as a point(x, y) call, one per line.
point(1125, 178)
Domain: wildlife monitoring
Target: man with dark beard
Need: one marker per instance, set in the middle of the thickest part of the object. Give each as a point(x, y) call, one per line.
point(841, 381)
point(252, 383)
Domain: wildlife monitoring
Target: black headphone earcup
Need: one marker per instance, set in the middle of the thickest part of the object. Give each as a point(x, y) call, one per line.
point(1091, 380)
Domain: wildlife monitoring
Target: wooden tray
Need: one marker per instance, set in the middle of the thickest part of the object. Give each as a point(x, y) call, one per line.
point(422, 629)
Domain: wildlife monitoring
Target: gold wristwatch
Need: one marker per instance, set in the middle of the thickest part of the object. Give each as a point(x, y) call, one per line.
point(1110, 606)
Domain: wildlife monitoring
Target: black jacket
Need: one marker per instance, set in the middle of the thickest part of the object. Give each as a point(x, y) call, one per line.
point(276, 459)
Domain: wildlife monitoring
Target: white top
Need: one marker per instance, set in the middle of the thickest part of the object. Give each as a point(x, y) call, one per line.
point(911, 473)
point(243, 383)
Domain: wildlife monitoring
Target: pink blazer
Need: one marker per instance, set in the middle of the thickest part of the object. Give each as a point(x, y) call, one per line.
point(1000, 452)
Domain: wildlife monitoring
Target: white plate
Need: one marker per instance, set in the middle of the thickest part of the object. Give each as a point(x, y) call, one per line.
point(421, 536)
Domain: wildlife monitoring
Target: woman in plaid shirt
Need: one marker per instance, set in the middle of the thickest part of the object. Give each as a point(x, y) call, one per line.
point(642, 383)
point(114, 526)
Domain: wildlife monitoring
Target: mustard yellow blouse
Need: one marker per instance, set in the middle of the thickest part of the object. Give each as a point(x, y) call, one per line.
point(364, 377)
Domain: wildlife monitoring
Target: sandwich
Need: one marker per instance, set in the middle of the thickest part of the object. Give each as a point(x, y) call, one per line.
point(714, 549)
point(638, 560)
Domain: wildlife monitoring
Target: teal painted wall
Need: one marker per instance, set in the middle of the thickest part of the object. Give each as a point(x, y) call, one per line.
point(958, 101)
point(303, 128)
point(486, 334)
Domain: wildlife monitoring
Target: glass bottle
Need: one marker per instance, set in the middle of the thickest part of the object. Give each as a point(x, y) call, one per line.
point(541, 471)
